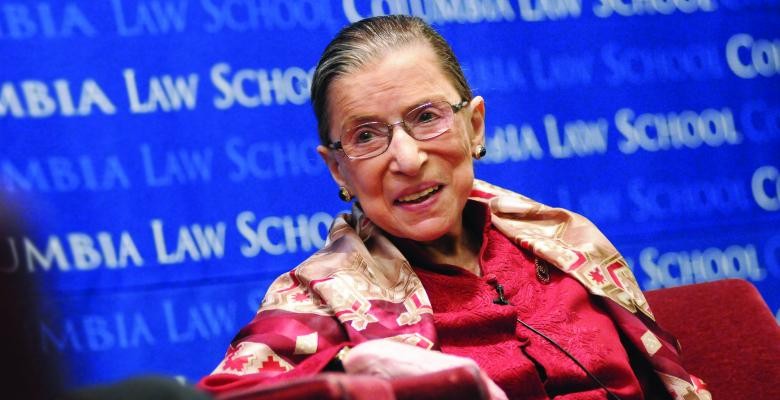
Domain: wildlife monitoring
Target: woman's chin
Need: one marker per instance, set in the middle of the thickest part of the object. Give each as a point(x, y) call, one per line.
point(426, 231)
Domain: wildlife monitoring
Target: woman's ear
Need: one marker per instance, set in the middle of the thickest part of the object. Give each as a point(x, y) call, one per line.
point(331, 160)
point(477, 120)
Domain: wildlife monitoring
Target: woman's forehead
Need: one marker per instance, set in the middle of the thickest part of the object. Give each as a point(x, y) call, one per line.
point(394, 82)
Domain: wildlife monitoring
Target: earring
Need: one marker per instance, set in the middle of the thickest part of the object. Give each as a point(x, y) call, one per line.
point(479, 152)
point(344, 194)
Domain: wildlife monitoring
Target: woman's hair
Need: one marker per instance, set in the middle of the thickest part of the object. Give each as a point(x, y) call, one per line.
point(362, 42)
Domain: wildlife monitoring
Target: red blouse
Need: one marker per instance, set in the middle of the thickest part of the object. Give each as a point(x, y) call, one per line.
point(522, 363)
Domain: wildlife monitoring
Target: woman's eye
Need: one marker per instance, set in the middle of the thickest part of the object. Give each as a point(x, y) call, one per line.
point(427, 116)
point(364, 136)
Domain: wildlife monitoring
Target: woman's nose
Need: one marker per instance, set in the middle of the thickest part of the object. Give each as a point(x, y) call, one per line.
point(407, 156)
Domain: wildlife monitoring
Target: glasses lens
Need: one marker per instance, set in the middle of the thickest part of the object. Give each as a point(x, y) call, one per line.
point(366, 140)
point(429, 120)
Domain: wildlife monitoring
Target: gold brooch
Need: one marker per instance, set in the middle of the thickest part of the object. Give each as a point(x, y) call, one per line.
point(542, 271)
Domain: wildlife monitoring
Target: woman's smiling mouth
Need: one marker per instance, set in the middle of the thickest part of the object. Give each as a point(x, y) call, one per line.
point(418, 197)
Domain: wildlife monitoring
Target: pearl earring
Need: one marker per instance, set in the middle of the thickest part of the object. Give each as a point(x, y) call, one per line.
point(479, 152)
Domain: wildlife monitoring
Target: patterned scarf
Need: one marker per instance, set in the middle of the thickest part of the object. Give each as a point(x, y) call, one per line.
point(360, 287)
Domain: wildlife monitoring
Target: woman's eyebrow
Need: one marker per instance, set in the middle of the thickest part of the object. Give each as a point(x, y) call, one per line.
point(424, 101)
point(361, 119)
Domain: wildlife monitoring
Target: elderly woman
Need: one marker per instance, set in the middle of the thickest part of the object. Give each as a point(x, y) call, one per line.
point(434, 269)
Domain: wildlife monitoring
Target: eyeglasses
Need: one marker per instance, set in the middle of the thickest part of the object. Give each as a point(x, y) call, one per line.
point(424, 122)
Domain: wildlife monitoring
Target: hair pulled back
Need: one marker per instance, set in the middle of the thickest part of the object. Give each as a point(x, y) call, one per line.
point(363, 42)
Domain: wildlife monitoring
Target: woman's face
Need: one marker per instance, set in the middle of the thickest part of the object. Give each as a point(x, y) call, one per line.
point(416, 189)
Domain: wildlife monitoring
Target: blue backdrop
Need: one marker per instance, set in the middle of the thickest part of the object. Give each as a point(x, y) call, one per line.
point(163, 150)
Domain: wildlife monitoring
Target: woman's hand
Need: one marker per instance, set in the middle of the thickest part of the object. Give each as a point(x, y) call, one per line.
point(389, 359)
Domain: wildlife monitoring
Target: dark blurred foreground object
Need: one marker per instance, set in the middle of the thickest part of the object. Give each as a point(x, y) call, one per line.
point(140, 388)
point(26, 372)
point(729, 337)
point(462, 383)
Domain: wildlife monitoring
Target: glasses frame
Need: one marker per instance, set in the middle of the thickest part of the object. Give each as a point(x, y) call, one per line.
point(455, 109)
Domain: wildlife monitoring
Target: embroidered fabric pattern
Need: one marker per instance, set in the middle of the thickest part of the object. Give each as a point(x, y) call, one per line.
point(471, 323)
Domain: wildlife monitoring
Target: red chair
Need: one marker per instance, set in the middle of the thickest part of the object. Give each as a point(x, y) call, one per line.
point(729, 337)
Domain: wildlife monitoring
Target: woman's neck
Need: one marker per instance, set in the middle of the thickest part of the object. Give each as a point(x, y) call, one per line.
point(460, 248)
